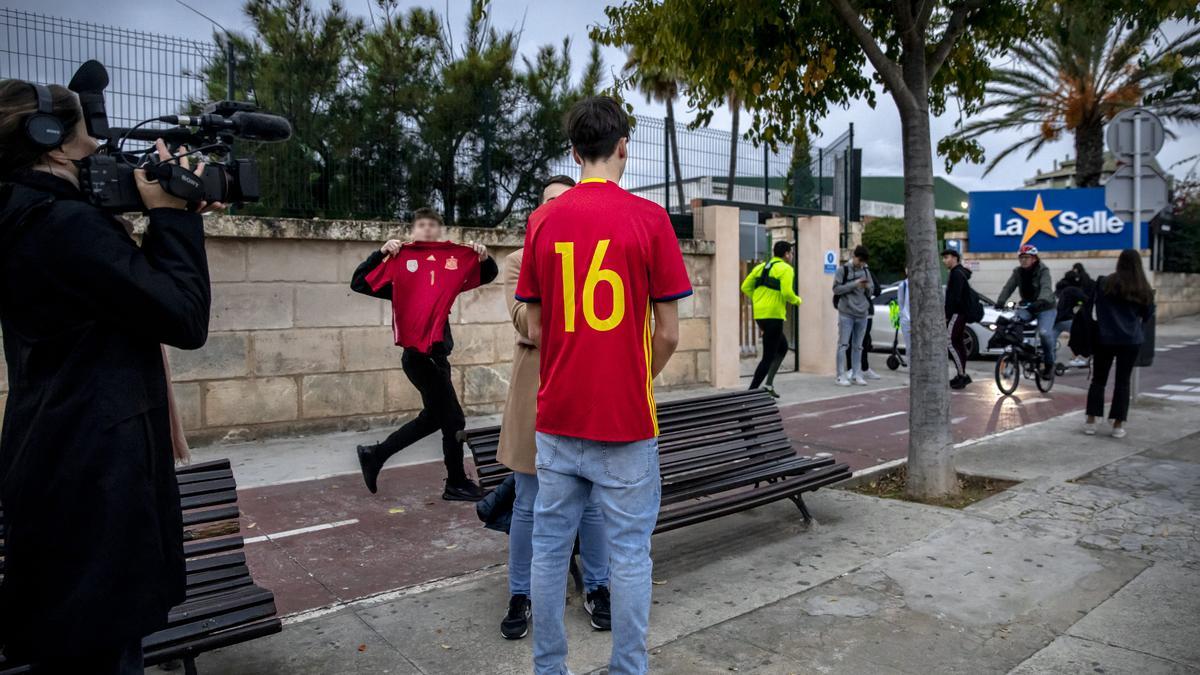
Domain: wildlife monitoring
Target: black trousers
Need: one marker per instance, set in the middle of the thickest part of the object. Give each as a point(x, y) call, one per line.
point(774, 349)
point(1102, 360)
point(866, 349)
point(956, 327)
point(430, 374)
point(121, 660)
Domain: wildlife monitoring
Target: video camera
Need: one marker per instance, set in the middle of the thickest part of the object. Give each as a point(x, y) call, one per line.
point(107, 176)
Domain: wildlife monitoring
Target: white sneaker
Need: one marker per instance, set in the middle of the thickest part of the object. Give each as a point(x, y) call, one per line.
point(871, 374)
point(858, 379)
point(1118, 432)
point(1078, 362)
point(1089, 428)
point(842, 381)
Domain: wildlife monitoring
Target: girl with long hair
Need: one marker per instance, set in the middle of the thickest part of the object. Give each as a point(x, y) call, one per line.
point(1124, 302)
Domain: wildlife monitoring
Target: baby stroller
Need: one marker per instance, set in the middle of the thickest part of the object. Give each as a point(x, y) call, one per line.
point(895, 359)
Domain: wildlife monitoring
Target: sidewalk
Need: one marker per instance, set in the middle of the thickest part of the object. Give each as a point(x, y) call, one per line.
point(1087, 566)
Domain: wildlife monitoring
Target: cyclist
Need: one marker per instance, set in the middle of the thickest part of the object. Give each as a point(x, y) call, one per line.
point(1032, 279)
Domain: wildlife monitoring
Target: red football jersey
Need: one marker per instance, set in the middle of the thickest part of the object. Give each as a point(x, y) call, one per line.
point(595, 258)
point(426, 277)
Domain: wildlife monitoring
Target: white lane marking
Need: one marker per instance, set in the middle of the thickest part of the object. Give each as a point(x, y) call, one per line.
point(1161, 349)
point(1175, 346)
point(1181, 397)
point(1154, 394)
point(1192, 343)
point(819, 413)
point(865, 420)
point(302, 530)
point(1192, 380)
point(1175, 387)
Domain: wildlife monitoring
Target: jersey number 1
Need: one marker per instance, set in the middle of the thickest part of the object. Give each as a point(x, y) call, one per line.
point(595, 276)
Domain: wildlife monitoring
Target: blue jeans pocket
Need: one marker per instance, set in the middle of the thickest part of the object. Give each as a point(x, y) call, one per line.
point(630, 463)
point(547, 447)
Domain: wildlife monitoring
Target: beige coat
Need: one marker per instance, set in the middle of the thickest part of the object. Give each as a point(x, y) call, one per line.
point(517, 449)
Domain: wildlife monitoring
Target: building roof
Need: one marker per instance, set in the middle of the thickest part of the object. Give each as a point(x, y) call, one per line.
point(887, 189)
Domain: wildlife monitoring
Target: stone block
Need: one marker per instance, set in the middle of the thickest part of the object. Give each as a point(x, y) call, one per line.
point(297, 351)
point(335, 305)
point(275, 260)
point(255, 401)
point(351, 255)
point(244, 306)
point(401, 395)
point(3, 375)
point(505, 341)
point(703, 367)
point(473, 344)
point(342, 394)
point(702, 302)
point(187, 402)
point(370, 348)
point(226, 259)
point(485, 384)
point(699, 269)
point(483, 305)
point(681, 369)
point(222, 357)
point(693, 334)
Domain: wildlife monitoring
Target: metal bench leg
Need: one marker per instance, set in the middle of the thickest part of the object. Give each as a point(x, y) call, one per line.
point(798, 500)
point(189, 666)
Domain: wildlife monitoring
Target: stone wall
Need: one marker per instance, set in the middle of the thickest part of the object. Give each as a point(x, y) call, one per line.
point(1177, 294)
point(293, 350)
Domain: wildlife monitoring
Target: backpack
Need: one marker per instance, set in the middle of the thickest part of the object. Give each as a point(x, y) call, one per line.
point(845, 273)
point(765, 278)
point(875, 288)
point(974, 306)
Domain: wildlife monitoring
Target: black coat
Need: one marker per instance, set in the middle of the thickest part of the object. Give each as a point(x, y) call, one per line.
point(93, 547)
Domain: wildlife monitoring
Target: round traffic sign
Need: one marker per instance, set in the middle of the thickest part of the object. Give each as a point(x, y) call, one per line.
point(1120, 133)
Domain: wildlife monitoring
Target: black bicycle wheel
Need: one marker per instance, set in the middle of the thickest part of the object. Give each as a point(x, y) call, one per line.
point(1008, 373)
point(1044, 383)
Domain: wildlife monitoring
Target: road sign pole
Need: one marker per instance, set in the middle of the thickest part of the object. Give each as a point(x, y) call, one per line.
point(1137, 223)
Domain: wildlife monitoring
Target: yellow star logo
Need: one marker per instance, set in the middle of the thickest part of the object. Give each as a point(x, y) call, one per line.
point(1039, 220)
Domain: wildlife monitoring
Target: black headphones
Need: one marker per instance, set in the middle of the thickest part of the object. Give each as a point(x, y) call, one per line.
point(42, 127)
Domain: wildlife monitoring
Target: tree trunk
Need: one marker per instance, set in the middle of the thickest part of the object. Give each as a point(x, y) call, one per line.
point(931, 471)
point(1089, 154)
point(675, 154)
point(735, 108)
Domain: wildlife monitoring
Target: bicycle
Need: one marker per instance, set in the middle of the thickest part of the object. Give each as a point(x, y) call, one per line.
point(1022, 352)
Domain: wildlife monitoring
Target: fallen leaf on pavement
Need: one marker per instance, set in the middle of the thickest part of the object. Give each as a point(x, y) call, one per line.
point(398, 509)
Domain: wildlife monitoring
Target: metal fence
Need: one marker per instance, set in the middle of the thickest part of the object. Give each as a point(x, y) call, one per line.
point(154, 75)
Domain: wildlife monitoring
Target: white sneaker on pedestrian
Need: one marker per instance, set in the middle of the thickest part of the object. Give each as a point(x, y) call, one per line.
point(1118, 432)
point(871, 374)
point(858, 379)
point(1078, 362)
point(842, 381)
point(1089, 428)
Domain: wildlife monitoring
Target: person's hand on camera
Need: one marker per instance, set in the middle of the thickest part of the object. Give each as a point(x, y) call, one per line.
point(392, 247)
point(153, 194)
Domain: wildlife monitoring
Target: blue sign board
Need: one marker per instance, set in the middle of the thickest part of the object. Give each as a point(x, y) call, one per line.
point(1052, 220)
point(830, 262)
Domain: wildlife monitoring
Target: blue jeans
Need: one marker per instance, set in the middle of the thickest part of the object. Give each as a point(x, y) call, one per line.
point(851, 330)
point(593, 547)
point(624, 479)
point(1045, 329)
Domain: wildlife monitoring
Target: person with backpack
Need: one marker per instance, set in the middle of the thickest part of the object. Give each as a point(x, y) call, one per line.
point(770, 287)
point(1122, 303)
point(1071, 294)
point(852, 288)
point(962, 307)
point(1032, 279)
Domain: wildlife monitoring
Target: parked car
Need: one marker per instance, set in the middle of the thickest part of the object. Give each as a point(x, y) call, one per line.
point(977, 336)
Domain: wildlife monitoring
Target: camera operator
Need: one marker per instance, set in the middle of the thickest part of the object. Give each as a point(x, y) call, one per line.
point(93, 542)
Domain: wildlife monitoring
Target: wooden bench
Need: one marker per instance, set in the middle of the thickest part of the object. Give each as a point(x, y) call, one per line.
point(718, 455)
point(223, 605)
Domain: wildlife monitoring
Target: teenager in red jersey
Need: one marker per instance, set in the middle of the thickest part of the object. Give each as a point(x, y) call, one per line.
point(599, 262)
point(422, 278)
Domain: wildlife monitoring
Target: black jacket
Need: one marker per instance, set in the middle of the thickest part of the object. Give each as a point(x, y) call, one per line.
point(488, 271)
point(958, 300)
point(94, 550)
point(1119, 322)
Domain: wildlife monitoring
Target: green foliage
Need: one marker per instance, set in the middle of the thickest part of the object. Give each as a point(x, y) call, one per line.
point(394, 115)
point(801, 187)
point(1181, 246)
point(885, 239)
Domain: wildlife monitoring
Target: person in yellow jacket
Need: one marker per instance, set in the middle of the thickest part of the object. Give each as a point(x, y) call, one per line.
point(770, 285)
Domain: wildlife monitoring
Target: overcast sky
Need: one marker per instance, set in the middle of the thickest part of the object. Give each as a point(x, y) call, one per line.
point(877, 130)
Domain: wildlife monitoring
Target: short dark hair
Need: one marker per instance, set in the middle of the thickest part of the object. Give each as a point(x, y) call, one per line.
point(559, 179)
point(18, 100)
point(952, 251)
point(426, 213)
point(862, 253)
point(595, 125)
point(781, 248)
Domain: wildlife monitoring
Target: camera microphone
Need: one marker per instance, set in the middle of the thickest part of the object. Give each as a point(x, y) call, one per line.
point(250, 126)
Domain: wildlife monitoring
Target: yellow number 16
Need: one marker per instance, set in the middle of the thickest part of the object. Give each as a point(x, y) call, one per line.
point(595, 276)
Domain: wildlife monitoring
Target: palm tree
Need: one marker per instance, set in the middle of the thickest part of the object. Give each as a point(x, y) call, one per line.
point(658, 85)
point(1084, 72)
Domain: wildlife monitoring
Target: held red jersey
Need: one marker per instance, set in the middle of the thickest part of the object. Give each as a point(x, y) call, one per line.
point(426, 277)
point(595, 258)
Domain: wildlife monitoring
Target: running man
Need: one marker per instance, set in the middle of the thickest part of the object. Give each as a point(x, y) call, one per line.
point(770, 286)
point(599, 262)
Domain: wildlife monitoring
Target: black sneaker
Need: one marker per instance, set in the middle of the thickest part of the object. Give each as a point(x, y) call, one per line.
point(966, 380)
point(466, 491)
point(370, 465)
point(771, 390)
point(958, 382)
point(516, 623)
point(598, 606)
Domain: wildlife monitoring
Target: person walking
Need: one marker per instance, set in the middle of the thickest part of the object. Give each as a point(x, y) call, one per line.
point(1123, 303)
point(1071, 294)
point(599, 263)
point(770, 286)
point(905, 304)
point(517, 451)
point(960, 307)
point(852, 287)
point(1031, 278)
